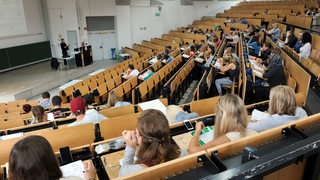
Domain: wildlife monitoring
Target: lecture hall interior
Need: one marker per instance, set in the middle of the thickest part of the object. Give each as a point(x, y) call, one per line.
point(159, 89)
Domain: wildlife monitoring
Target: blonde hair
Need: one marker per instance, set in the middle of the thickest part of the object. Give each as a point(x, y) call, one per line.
point(275, 24)
point(172, 111)
point(282, 100)
point(113, 99)
point(231, 116)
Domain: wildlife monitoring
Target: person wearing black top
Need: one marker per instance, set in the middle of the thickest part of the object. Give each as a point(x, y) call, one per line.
point(64, 48)
point(274, 75)
point(265, 51)
point(57, 110)
point(291, 39)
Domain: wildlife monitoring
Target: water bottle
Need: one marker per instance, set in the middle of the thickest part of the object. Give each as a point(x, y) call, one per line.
point(101, 148)
point(117, 144)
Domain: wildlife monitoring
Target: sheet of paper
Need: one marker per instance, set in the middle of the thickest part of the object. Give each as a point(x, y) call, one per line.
point(255, 66)
point(154, 104)
point(154, 60)
point(257, 73)
point(217, 65)
point(50, 117)
point(200, 60)
point(73, 169)
point(259, 115)
point(185, 56)
point(182, 140)
point(11, 136)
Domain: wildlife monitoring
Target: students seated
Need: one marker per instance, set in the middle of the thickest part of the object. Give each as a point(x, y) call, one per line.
point(274, 32)
point(38, 115)
point(33, 158)
point(298, 44)
point(115, 101)
point(207, 56)
point(250, 32)
point(264, 53)
point(233, 38)
point(253, 46)
point(150, 71)
point(227, 52)
point(230, 124)
point(156, 59)
point(216, 40)
point(56, 108)
point(232, 68)
point(45, 102)
point(192, 51)
point(175, 114)
point(78, 108)
point(306, 45)
point(290, 40)
point(153, 138)
point(282, 109)
point(273, 74)
point(88, 101)
point(26, 108)
point(167, 58)
point(131, 72)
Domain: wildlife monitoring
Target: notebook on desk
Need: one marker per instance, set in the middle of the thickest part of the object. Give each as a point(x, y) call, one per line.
point(206, 135)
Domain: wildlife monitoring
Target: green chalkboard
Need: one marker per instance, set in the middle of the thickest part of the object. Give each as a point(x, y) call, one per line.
point(4, 61)
point(20, 55)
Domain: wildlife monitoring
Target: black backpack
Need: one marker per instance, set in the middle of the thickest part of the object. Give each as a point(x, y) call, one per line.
point(54, 64)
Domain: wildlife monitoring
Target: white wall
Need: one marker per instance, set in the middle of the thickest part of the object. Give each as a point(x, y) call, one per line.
point(171, 13)
point(211, 8)
point(35, 28)
point(156, 22)
point(123, 26)
point(62, 16)
point(186, 15)
point(74, 12)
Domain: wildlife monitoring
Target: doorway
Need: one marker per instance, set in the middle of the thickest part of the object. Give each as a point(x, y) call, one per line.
point(102, 36)
point(73, 40)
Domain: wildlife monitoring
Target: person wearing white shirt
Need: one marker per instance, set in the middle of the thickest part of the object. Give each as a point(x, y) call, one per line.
point(230, 124)
point(78, 108)
point(306, 46)
point(131, 72)
point(282, 110)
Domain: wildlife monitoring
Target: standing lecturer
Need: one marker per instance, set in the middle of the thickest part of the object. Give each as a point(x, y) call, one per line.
point(64, 48)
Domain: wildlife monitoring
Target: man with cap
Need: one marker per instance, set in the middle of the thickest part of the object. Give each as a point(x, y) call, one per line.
point(78, 108)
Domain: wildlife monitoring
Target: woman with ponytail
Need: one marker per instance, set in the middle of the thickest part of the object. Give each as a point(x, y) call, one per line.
point(230, 124)
point(153, 138)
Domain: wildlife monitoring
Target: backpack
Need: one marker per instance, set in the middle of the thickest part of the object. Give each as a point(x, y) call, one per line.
point(54, 64)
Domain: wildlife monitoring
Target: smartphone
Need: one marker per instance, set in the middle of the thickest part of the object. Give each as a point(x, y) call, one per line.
point(188, 124)
point(66, 156)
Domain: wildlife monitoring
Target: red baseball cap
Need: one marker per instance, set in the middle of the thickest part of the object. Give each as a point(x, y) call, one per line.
point(77, 105)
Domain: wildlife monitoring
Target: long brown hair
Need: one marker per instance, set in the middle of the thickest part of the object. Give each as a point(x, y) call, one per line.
point(154, 130)
point(33, 158)
point(38, 113)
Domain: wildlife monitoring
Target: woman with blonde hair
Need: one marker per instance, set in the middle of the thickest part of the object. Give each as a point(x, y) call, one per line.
point(153, 136)
point(115, 101)
point(282, 109)
point(230, 124)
